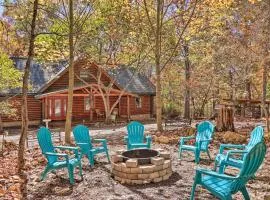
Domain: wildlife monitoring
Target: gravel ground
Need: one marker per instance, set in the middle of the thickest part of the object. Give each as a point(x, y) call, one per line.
point(99, 185)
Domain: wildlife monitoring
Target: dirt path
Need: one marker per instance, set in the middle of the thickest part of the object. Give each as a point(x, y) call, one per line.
point(98, 184)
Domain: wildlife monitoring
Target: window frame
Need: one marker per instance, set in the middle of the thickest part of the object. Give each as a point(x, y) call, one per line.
point(84, 74)
point(85, 103)
point(139, 103)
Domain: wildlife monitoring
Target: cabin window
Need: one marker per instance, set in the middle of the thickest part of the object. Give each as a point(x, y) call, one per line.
point(138, 102)
point(57, 107)
point(84, 73)
point(87, 103)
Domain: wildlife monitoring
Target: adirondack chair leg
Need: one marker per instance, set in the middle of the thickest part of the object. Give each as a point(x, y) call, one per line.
point(108, 156)
point(245, 193)
point(91, 159)
point(193, 190)
point(228, 198)
point(216, 165)
point(221, 168)
point(129, 147)
point(80, 167)
point(208, 153)
point(179, 153)
point(71, 174)
point(44, 173)
point(197, 157)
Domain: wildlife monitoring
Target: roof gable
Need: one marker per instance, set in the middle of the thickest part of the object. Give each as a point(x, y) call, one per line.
point(124, 77)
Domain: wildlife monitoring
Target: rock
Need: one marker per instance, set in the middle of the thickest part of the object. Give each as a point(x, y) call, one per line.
point(15, 187)
point(117, 158)
point(163, 140)
point(154, 175)
point(132, 163)
point(147, 168)
point(155, 138)
point(165, 155)
point(62, 191)
point(157, 161)
point(2, 192)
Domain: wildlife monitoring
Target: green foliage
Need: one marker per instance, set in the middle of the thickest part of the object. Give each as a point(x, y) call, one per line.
point(8, 109)
point(9, 76)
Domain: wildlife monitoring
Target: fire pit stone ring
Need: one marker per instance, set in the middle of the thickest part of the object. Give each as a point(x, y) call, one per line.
point(141, 166)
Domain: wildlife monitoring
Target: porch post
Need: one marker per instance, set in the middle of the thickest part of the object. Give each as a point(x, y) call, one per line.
point(91, 105)
point(128, 107)
point(45, 114)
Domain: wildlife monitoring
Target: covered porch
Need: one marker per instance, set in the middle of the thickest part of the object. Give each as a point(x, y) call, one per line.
point(88, 104)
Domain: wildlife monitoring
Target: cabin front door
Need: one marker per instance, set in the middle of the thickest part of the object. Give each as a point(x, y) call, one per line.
point(56, 108)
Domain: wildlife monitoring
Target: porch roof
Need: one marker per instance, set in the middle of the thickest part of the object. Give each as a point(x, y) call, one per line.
point(81, 86)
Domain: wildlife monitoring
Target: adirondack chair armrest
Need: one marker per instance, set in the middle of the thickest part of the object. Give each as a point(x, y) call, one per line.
point(82, 143)
point(84, 147)
point(205, 140)
point(231, 152)
point(74, 149)
point(58, 155)
point(184, 139)
point(202, 171)
point(67, 148)
point(228, 146)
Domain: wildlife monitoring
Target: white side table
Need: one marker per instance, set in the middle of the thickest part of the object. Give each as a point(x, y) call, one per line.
point(47, 122)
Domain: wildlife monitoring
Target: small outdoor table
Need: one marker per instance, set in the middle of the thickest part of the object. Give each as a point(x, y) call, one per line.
point(47, 122)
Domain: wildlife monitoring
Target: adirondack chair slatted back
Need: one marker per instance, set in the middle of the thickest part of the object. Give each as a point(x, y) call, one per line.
point(205, 130)
point(256, 137)
point(45, 143)
point(252, 161)
point(135, 132)
point(81, 135)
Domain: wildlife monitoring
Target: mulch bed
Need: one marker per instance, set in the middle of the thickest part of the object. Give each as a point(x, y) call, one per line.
point(98, 183)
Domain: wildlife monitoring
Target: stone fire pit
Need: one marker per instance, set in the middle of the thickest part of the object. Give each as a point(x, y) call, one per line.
point(141, 166)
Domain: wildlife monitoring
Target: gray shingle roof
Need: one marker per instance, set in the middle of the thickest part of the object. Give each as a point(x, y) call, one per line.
point(132, 81)
point(39, 74)
point(42, 74)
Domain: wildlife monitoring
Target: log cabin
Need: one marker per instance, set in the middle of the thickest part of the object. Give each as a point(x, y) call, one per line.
point(130, 94)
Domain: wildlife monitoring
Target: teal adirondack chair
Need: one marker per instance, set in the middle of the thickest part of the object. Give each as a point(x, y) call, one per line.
point(135, 136)
point(224, 186)
point(223, 159)
point(47, 148)
point(204, 136)
point(84, 141)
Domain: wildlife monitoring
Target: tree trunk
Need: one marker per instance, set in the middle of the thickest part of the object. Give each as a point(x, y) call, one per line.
point(158, 68)
point(1, 124)
point(264, 65)
point(71, 76)
point(225, 119)
point(264, 86)
point(187, 80)
point(24, 111)
point(231, 83)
